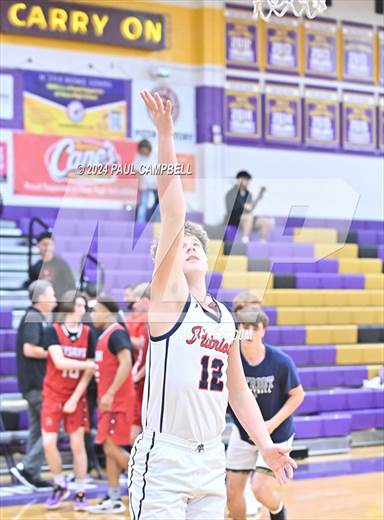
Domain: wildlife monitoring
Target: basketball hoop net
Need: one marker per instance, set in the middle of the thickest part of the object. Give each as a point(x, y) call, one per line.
point(309, 8)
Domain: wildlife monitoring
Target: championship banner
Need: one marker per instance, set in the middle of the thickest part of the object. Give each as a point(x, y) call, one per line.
point(358, 55)
point(282, 114)
point(242, 113)
point(65, 104)
point(282, 45)
point(241, 43)
point(322, 118)
point(84, 167)
point(381, 56)
point(359, 121)
point(381, 123)
point(11, 107)
point(320, 46)
point(183, 98)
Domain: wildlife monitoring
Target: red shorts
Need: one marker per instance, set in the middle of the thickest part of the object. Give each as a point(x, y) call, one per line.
point(139, 391)
point(116, 425)
point(52, 414)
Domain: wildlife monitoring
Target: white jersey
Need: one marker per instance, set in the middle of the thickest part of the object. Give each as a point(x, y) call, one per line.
point(186, 391)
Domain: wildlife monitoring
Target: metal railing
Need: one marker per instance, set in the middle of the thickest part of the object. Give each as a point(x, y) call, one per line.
point(100, 268)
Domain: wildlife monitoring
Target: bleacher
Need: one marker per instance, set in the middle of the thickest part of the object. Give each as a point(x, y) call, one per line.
point(323, 292)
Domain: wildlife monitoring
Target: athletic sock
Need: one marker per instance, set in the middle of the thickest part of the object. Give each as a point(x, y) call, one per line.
point(114, 493)
point(279, 514)
point(59, 480)
point(80, 485)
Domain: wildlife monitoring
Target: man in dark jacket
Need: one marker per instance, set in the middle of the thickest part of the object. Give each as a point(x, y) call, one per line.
point(31, 361)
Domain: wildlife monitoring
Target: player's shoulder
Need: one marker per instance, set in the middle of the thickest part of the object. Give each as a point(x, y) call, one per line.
point(278, 355)
point(33, 315)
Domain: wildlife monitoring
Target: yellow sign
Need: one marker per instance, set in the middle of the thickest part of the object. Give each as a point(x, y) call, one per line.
point(83, 22)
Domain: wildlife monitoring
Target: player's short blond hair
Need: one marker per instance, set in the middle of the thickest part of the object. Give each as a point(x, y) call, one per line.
point(246, 298)
point(193, 230)
point(252, 317)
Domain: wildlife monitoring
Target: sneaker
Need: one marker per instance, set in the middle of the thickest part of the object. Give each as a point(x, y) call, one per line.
point(23, 476)
point(108, 507)
point(81, 503)
point(59, 494)
point(42, 485)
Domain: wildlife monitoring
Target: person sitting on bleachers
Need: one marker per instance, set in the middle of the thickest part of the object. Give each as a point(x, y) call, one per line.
point(31, 363)
point(51, 267)
point(239, 205)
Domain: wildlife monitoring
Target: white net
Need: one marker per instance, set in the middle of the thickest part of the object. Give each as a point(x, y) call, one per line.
point(309, 8)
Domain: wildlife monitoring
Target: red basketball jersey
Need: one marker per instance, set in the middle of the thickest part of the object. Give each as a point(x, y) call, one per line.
point(137, 327)
point(63, 382)
point(108, 365)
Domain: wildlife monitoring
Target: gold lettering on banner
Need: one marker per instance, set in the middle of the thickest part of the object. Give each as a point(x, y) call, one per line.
point(153, 31)
point(78, 22)
point(58, 19)
point(13, 14)
point(99, 23)
point(131, 28)
point(36, 17)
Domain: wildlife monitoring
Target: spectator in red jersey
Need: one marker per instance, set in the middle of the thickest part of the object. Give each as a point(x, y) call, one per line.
point(116, 396)
point(138, 331)
point(70, 366)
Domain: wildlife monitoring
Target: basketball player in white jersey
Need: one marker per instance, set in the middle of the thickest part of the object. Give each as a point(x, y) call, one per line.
point(177, 465)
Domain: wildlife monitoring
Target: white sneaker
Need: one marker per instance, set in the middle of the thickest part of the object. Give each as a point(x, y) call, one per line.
point(108, 507)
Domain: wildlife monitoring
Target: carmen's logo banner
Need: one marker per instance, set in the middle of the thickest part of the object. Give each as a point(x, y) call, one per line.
point(83, 22)
point(59, 166)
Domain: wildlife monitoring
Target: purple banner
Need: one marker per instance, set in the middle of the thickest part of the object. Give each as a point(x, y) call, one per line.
point(242, 114)
point(209, 112)
point(381, 56)
point(282, 114)
point(381, 123)
point(11, 107)
point(320, 46)
point(241, 44)
point(359, 121)
point(282, 46)
point(358, 62)
point(321, 118)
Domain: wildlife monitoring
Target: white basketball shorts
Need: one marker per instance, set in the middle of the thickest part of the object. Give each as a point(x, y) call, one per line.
point(243, 456)
point(173, 479)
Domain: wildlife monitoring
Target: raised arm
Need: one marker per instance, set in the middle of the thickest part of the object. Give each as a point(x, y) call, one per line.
point(169, 289)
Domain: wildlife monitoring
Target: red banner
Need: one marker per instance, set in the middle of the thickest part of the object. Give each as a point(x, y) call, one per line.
point(78, 167)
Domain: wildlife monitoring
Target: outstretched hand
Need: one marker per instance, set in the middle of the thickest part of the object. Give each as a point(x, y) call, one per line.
point(280, 462)
point(161, 115)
